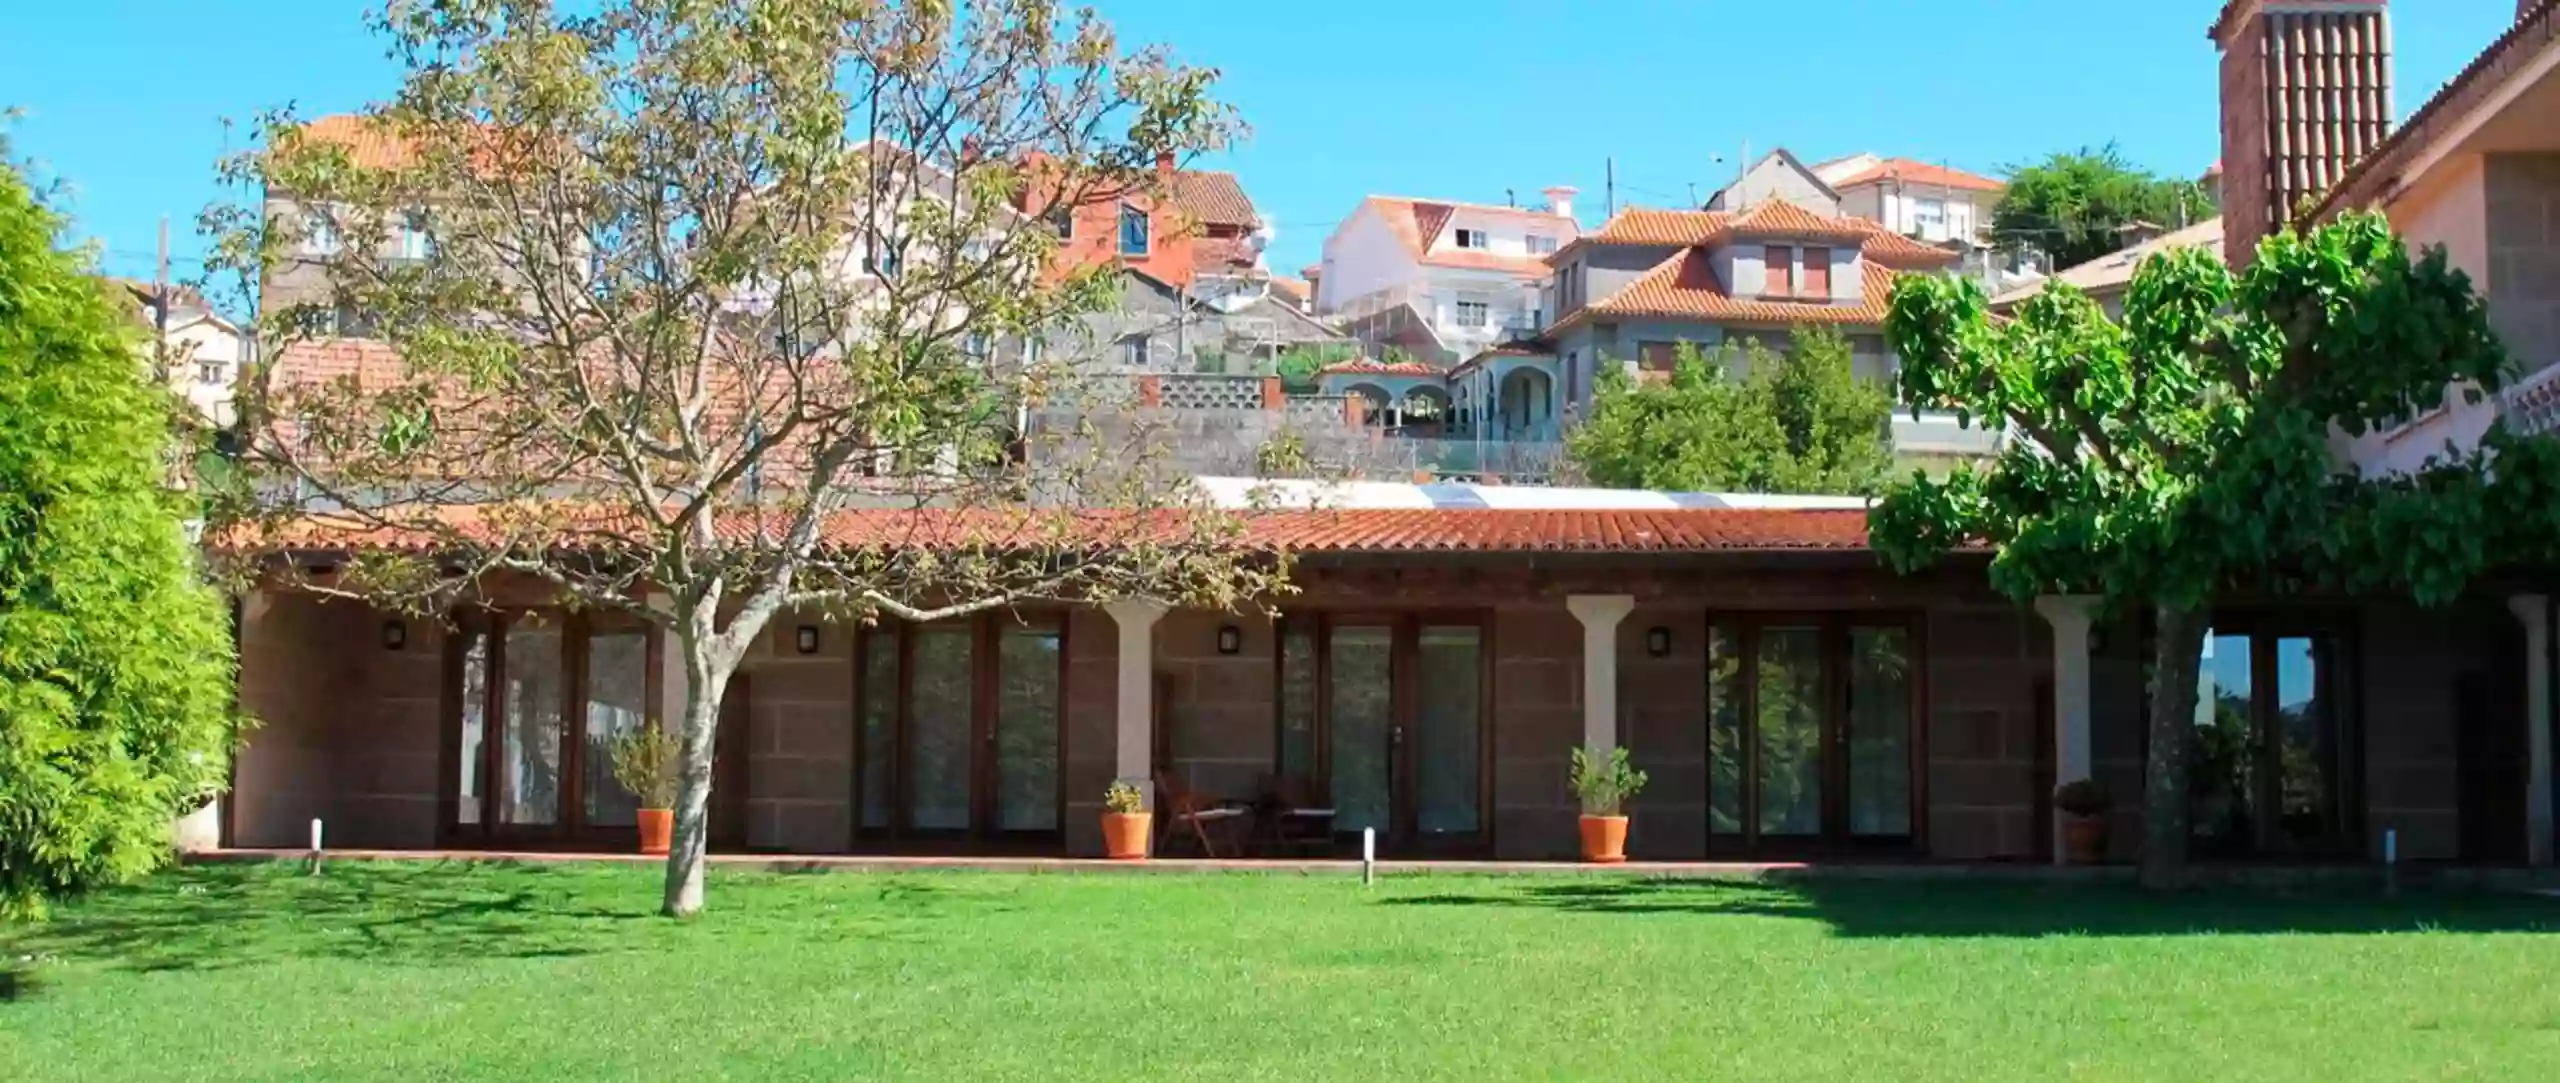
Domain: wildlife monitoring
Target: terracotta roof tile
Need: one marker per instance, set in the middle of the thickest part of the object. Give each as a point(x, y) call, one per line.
point(1216, 199)
point(1418, 223)
point(1350, 530)
point(1773, 220)
point(1685, 287)
point(370, 143)
point(1366, 367)
point(1912, 172)
point(1780, 219)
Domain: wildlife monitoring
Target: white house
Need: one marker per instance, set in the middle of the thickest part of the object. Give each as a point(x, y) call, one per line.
point(1932, 203)
point(1440, 280)
point(202, 349)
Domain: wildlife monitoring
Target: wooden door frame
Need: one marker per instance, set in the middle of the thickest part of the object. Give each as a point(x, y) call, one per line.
point(1834, 630)
point(986, 639)
point(2337, 683)
point(577, 632)
point(1404, 638)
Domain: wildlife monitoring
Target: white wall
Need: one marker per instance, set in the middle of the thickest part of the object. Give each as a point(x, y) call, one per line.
point(1968, 212)
point(1362, 256)
point(2451, 209)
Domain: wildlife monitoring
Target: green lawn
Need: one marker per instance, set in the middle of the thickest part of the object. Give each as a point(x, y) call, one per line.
point(408, 972)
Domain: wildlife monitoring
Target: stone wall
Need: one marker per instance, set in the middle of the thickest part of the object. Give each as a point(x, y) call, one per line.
point(1536, 724)
point(348, 730)
point(1987, 665)
point(2523, 198)
point(799, 740)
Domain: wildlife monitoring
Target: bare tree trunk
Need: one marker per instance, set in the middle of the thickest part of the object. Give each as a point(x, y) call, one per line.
point(2177, 649)
point(706, 680)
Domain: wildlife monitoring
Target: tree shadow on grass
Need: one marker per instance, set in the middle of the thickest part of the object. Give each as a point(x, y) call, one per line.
point(218, 917)
point(1880, 909)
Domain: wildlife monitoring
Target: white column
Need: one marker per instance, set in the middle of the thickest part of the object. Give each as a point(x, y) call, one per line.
point(2534, 611)
point(1134, 750)
point(1600, 614)
point(2069, 614)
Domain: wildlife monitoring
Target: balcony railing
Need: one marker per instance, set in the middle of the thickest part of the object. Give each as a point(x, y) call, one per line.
point(2531, 406)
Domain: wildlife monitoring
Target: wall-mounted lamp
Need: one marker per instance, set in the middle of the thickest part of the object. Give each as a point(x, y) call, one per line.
point(807, 638)
point(1230, 639)
point(1657, 641)
point(395, 635)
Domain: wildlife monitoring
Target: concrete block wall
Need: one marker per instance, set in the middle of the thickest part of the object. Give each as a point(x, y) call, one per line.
point(1536, 724)
point(349, 731)
point(1223, 716)
point(1985, 666)
point(799, 740)
point(2523, 197)
point(1662, 722)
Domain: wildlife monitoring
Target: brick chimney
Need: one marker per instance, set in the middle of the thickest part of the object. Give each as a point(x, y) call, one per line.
point(2306, 94)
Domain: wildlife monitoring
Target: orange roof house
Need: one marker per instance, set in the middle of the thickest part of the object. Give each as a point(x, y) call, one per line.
point(1186, 225)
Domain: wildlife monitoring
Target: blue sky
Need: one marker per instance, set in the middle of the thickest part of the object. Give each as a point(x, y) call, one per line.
point(1455, 99)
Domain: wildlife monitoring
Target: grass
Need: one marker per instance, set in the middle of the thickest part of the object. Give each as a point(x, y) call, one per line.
point(425, 971)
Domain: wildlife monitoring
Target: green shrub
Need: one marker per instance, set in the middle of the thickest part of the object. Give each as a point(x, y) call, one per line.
point(1605, 786)
point(1124, 798)
point(647, 762)
point(115, 660)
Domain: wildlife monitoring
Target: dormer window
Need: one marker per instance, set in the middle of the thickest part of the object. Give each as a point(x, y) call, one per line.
point(1474, 238)
point(1817, 274)
point(1134, 236)
point(1780, 260)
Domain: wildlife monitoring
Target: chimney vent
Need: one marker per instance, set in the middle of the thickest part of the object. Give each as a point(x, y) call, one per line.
point(2306, 94)
point(1560, 199)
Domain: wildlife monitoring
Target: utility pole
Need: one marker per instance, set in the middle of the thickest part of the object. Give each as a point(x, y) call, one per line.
point(160, 306)
point(1609, 197)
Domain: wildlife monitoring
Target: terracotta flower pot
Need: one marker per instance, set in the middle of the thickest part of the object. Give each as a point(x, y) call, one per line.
point(2084, 840)
point(1604, 839)
point(657, 829)
point(1124, 835)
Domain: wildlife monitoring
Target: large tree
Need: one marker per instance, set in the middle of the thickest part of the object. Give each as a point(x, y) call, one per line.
point(115, 661)
point(2184, 455)
point(719, 320)
point(2074, 205)
point(1798, 420)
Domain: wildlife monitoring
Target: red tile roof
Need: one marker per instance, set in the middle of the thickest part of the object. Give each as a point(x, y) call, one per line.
point(1913, 172)
point(1776, 219)
point(1351, 530)
point(1781, 219)
point(370, 143)
point(1366, 367)
point(1215, 199)
point(1685, 287)
point(1418, 223)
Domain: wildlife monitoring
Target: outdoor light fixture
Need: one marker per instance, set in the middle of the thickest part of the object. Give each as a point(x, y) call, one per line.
point(1230, 639)
point(808, 639)
point(395, 635)
point(1657, 641)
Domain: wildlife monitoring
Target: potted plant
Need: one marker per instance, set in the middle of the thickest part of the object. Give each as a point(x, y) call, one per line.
point(646, 761)
point(2084, 803)
point(1604, 787)
point(1125, 822)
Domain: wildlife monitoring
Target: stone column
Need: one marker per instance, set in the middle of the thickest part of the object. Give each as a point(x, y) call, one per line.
point(2534, 611)
point(1600, 614)
point(2069, 614)
point(1134, 713)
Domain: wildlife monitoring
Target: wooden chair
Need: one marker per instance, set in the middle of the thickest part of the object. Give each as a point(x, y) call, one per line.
point(1186, 811)
point(1301, 820)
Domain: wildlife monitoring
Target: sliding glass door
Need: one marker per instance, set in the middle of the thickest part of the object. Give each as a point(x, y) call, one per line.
point(2270, 764)
point(1387, 715)
point(959, 730)
point(534, 701)
point(1810, 737)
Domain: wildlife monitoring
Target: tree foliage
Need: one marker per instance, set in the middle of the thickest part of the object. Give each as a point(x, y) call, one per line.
point(1297, 365)
point(2185, 454)
point(703, 279)
point(1793, 421)
point(115, 662)
point(2073, 205)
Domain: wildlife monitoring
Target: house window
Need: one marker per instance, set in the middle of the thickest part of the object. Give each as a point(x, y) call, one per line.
point(1133, 351)
point(1063, 219)
point(2271, 770)
point(1813, 733)
point(415, 242)
point(1572, 378)
point(975, 345)
point(1929, 218)
point(886, 261)
point(1134, 238)
point(1475, 313)
point(208, 372)
point(1473, 238)
point(1817, 273)
point(1780, 262)
point(320, 235)
point(1540, 244)
point(1657, 357)
point(1413, 766)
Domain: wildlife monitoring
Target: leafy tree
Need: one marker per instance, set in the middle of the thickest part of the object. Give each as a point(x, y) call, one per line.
point(2073, 205)
point(2182, 455)
point(701, 276)
point(115, 661)
point(1798, 421)
point(1297, 366)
